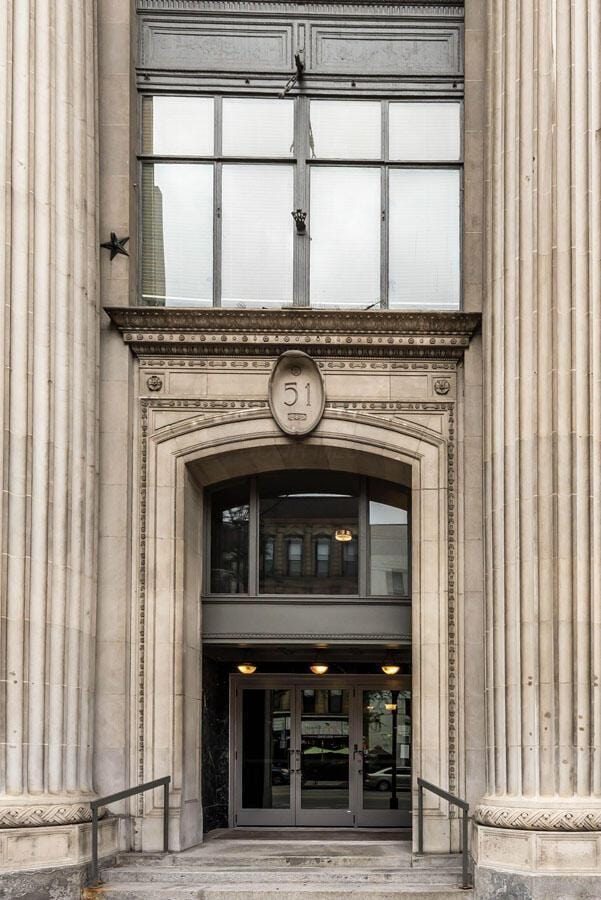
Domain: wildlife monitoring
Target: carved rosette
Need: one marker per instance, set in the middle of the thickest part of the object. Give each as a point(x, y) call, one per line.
point(44, 814)
point(539, 818)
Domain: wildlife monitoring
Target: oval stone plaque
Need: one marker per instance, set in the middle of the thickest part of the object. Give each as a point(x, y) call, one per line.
point(296, 393)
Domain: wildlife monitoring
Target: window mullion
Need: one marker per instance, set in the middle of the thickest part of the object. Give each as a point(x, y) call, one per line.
point(217, 204)
point(253, 539)
point(363, 542)
point(384, 227)
point(301, 201)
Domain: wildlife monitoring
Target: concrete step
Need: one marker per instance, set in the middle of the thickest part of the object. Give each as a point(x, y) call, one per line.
point(267, 891)
point(179, 875)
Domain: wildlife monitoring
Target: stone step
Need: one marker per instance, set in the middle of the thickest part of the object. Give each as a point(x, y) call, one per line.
point(267, 891)
point(264, 862)
point(344, 857)
point(179, 875)
point(436, 860)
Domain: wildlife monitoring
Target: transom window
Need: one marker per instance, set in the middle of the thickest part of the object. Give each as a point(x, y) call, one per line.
point(309, 532)
point(267, 202)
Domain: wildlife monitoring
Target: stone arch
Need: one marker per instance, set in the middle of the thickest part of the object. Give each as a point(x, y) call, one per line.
point(180, 458)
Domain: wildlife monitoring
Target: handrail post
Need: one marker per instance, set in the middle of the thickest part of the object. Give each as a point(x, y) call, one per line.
point(466, 879)
point(166, 816)
point(420, 817)
point(94, 845)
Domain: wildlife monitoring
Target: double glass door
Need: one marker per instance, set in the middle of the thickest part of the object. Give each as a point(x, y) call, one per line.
point(320, 752)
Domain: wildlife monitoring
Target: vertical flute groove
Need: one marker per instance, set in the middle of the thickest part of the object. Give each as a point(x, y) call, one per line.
point(18, 389)
point(40, 400)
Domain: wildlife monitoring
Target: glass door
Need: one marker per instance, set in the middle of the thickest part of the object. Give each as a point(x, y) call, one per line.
point(333, 753)
point(325, 793)
point(264, 756)
point(383, 760)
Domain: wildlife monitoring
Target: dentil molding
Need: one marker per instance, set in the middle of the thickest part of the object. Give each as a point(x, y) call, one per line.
point(165, 331)
point(349, 9)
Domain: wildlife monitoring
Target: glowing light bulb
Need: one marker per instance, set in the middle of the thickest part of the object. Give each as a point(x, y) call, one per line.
point(247, 668)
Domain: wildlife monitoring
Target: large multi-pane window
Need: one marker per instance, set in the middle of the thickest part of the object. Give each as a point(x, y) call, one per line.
point(266, 202)
point(309, 532)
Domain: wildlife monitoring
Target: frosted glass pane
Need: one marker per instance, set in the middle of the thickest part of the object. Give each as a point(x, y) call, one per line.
point(424, 238)
point(177, 233)
point(345, 236)
point(258, 127)
point(345, 129)
point(425, 131)
point(179, 126)
point(258, 231)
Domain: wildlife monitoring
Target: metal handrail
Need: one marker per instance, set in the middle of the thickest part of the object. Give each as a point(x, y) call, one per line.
point(456, 801)
point(122, 795)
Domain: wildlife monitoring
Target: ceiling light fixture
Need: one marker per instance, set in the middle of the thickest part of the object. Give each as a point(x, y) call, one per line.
point(319, 668)
point(343, 534)
point(390, 666)
point(246, 668)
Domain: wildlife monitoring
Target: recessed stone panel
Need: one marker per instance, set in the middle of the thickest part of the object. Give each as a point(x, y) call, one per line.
point(217, 46)
point(383, 50)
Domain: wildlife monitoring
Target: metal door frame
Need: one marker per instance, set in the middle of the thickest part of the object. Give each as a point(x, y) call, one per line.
point(378, 818)
point(295, 815)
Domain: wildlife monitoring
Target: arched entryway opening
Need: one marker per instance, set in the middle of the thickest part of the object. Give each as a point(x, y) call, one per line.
point(307, 626)
point(185, 461)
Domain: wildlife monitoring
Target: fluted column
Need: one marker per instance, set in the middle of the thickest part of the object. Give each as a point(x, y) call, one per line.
point(543, 397)
point(48, 274)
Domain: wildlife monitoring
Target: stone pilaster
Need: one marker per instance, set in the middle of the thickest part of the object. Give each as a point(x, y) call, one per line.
point(542, 339)
point(48, 277)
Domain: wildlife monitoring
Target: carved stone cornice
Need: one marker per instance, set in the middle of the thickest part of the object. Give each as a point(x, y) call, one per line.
point(453, 9)
point(189, 332)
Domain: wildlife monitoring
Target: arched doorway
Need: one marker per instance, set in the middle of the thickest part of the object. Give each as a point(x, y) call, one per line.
point(188, 456)
point(319, 735)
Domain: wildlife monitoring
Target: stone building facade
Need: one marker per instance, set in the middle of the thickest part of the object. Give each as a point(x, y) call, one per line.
point(133, 396)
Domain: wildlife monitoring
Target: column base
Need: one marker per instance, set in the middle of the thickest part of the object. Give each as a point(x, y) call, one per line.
point(528, 865)
point(33, 811)
point(53, 861)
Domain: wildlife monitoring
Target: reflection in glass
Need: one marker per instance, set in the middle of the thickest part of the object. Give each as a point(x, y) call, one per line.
point(258, 126)
point(345, 236)
point(299, 514)
point(322, 557)
point(178, 126)
point(345, 129)
point(425, 131)
point(265, 749)
point(229, 539)
point(388, 540)
point(177, 234)
point(386, 749)
point(424, 238)
point(257, 235)
point(325, 749)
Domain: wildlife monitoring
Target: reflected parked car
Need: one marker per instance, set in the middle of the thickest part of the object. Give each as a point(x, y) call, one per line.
point(280, 775)
point(382, 780)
